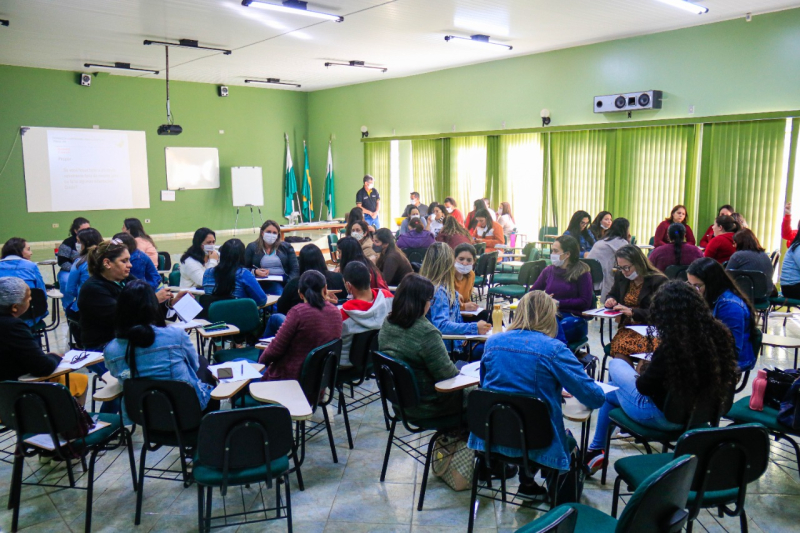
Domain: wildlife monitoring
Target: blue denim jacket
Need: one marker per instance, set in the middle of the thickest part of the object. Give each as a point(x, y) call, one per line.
point(28, 271)
point(585, 241)
point(78, 274)
point(172, 356)
point(142, 267)
point(446, 316)
point(531, 363)
point(246, 285)
point(733, 312)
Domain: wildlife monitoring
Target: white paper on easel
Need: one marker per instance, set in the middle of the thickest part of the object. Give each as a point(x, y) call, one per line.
point(247, 186)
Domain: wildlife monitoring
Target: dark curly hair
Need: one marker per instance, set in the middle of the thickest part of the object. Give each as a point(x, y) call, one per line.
point(699, 350)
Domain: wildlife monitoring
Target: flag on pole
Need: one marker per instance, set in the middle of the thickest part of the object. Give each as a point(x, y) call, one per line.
point(329, 201)
point(307, 206)
point(289, 184)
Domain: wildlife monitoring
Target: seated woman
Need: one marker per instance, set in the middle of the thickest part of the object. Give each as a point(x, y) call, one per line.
point(634, 286)
point(709, 234)
point(270, 256)
point(466, 256)
point(506, 218)
point(568, 280)
point(679, 253)
point(417, 236)
point(601, 224)
point(413, 212)
point(487, 231)
point(528, 360)
point(478, 205)
point(790, 271)
point(141, 266)
point(695, 361)
point(200, 256)
point(677, 215)
point(392, 263)
point(453, 233)
point(311, 324)
point(451, 208)
point(721, 247)
point(579, 229)
point(145, 348)
point(750, 255)
point(728, 304)
point(20, 352)
point(603, 251)
point(79, 272)
point(436, 217)
point(360, 232)
point(350, 250)
point(445, 312)
point(16, 262)
point(68, 252)
point(407, 336)
point(144, 242)
point(355, 216)
point(230, 279)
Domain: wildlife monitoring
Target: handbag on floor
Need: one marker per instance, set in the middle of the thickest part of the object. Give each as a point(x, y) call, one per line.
point(453, 461)
point(789, 415)
point(570, 486)
point(778, 384)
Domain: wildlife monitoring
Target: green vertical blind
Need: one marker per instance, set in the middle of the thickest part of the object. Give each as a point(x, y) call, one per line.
point(521, 173)
point(467, 170)
point(424, 168)
point(377, 163)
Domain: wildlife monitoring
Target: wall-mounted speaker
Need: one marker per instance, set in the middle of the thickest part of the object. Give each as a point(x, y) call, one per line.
point(86, 80)
point(628, 102)
point(223, 91)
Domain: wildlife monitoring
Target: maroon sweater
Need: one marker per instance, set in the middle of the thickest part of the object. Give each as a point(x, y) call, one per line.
point(306, 328)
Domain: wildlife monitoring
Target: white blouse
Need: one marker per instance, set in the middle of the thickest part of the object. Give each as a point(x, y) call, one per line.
point(192, 272)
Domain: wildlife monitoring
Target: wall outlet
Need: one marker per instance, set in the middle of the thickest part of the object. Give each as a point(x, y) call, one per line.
point(96, 127)
point(691, 110)
point(221, 132)
point(454, 127)
point(393, 131)
point(55, 226)
point(504, 124)
point(147, 221)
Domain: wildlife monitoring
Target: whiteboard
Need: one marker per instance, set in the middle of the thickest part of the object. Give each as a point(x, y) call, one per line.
point(192, 168)
point(70, 169)
point(247, 186)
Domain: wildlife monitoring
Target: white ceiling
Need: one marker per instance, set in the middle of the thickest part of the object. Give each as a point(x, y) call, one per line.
point(407, 36)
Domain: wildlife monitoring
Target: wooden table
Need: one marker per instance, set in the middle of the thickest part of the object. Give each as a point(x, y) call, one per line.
point(334, 227)
point(457, 383)
point(272, 299)
point(51, 263)
point(286, 393)
point(602, 320)
point(780, 341)
point(91, 360)
point(111, 391)
point(225, 391)
point(229, 330)
point(197, 291)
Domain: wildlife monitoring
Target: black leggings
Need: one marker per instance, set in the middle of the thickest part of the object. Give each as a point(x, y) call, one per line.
point(791, 291)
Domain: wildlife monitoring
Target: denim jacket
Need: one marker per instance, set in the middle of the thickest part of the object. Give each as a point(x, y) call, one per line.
point(446, 316)
point(733, 312)
point(142, 268)
point(585, 240)
point(246, 286)
point(531, 363)
point(28, 271)
point(78, 274)
point(171, 357)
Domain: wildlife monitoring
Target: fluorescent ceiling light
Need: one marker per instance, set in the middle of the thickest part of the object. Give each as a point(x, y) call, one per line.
point(359, 64)
point(686, 6)
point(295, 7)
point(187, 43)
point(478, 39)
point(121, 66)
point(273, 81)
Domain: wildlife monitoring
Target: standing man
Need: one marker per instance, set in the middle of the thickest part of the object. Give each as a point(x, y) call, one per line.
point(369, 200)
point(423, 209)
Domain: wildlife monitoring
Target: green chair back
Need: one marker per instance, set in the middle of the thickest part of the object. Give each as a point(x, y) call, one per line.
point(241, 312)
point(175, 278)
point(548, 230)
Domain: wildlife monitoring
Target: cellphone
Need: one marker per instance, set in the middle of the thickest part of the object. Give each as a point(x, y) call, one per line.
point(224, 373)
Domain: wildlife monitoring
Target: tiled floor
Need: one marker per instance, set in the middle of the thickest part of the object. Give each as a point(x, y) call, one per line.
point(348, 497)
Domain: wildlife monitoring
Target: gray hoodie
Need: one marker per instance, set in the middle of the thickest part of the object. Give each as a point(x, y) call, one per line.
point(361, 316)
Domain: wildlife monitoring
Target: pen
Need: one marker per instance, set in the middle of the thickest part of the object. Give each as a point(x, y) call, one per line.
point(242, 369)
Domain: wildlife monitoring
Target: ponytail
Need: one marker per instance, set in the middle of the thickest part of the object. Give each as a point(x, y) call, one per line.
point(677, 234)
point(110, 250)
point(310, 286)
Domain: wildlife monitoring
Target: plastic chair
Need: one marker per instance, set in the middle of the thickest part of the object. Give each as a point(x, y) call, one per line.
point(652, 241)
point(333, 248)
point(38, 308)
point(164, 261)
point(596, 271)
point(398, 387)
point(174, 278)
point(677, 272)
point(360, 348)
point(513, 421)
point(480, 248)
point(546, 232)
point(415, 255)
point(484, 272)
point(754, 285)
point(242, 313)
point(49, 409)
point(169, 414)
point(240, 447)
point(527, 276)
point(756, 339)
point(657, 506)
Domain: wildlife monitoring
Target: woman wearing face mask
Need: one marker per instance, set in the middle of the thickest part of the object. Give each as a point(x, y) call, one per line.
point(505, 218)
point(453, 233)
point(436, 221)
point(392, 263)
point(413, 213)
point(466, 256)
point(487, 231)
point(451, 208)
point(677, 215)
point(579, 229)
point(601, 224)
point(200, 256)
point(270, 256)
point(635, 283)
point(709, 234)
point(417, 236)
point(360, 232)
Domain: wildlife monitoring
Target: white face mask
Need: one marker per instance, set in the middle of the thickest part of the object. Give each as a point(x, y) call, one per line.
point(499, 211)
point(270, 238)
point(463, 269)
point(632, 276)
point(414, 216)
point(556, 260)
point(449, 209)
point(605, 226)
point(210, 247)
point(78, 247)
point(357, 236)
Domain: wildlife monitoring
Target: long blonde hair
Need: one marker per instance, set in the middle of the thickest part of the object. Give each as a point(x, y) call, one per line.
point(536, 311)
point(439, 267)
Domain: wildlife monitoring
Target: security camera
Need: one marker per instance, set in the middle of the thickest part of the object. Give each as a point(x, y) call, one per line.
point(86, 79)
point(223, 91)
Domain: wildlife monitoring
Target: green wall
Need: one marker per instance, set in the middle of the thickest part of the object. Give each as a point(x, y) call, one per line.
point(253, 119)
point(721, 69)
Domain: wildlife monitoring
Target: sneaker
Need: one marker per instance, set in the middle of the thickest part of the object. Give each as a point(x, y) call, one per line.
point(508, 472)
point(531, 491)
point(595, 459)
point(621, 435)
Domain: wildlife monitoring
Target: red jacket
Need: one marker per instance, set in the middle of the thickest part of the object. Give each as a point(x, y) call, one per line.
point(662, 238)
point(707, 237)
point(786, 230)
point(721, 247)
point(458, 215)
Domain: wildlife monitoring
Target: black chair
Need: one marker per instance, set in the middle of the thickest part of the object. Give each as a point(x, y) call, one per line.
point(728, 459)
point(513, 421)
point(677, 411)
point(239, 447)
point(756, 339)
point(38, 308)
point(415, 255)
point(676, 272)
point(484, 271)
point(164, 261)
point(480, 248)
point(361, 346)
point(49, 409)
point(561, 520)
point(657, 506)
point(398, 387)
point(169, 414)
point(596, 270)
point(754, 285)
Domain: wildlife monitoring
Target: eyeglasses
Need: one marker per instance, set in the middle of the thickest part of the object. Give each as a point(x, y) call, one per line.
point(626, 268)
point(80, 357)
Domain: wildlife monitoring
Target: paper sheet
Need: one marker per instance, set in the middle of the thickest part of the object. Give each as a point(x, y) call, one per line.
point(472, 313)
point(242, 371)
point(472, 370)
point(642, 356)
point(642, 330)
point(187, 308)
point(606, 387)
point(185, 325)
point(66, 361)
point(603, 312)
point(271, 278)
point(45, 441)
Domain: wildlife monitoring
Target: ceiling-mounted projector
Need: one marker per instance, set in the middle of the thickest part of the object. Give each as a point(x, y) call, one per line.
point(169, 129)
point(628, 102)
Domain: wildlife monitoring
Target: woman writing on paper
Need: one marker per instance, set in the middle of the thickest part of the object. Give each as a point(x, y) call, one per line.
point(270, 256)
